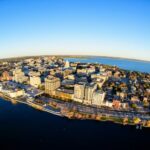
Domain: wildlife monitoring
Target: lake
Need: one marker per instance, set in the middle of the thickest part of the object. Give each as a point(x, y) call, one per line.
point(134, 65)
point(22, 127)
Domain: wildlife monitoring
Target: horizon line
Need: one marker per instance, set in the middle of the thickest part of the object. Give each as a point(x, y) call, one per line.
point(68, 55)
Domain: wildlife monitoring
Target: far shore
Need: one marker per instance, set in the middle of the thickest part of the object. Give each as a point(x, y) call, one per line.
point(71, 56)
point(111, 57)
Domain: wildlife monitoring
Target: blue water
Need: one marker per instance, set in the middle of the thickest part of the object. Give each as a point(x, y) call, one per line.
point(142, 66)
point(22, 127)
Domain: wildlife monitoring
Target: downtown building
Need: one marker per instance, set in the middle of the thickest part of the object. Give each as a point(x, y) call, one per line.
point(51, 84)
point(19, 76)
point(35, 81)
point(89, 90)
point(79, 92)
point(88, 94)
point(98, 98)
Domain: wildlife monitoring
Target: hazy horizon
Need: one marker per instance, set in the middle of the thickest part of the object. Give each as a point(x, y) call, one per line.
point(110, 28)
point(73, 56)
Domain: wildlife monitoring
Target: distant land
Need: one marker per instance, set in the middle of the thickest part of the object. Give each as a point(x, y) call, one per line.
point(69, 56)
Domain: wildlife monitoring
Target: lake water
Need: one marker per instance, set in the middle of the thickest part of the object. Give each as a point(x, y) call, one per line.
point(22, 127)
point(143, 66)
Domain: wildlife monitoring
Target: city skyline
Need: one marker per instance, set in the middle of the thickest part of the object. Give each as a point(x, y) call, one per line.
point(104, 28)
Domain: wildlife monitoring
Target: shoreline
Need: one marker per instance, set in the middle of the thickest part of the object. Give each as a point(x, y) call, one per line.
point(77, 116)
point(33, 105)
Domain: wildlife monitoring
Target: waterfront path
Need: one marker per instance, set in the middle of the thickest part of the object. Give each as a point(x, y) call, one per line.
point(99, 111)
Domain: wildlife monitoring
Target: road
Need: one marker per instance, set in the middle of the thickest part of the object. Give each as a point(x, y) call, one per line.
point(101, 111)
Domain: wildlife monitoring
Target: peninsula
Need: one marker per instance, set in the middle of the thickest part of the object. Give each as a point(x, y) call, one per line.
point(77, 90)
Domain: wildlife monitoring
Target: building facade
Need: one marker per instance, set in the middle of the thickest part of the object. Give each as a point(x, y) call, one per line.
point(79, 91)
point(98, 98)
point(35, 81)
point(89, 89)
point(19, 76)
point(51, 84)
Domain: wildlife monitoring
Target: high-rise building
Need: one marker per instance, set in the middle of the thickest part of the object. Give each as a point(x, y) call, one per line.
point(89, 89)
point(98, 98)
point(79, 91)
point(35, 81)
point(51, 84)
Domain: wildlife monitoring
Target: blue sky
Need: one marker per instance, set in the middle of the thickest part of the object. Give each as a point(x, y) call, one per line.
point(80, 27)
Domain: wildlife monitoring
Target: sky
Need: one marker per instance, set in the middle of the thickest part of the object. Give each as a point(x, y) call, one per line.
point(118, 28)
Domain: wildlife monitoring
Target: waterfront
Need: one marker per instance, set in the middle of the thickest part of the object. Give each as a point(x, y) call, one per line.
point(27, 128)
point(142, 66)
point(23, 125)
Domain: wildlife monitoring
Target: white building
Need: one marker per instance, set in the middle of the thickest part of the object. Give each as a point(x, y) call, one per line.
point(71, 77)
point(19, 76)
point(81, 71)
point(1, 87)
point(99, 76)
point(98, 98)
point(35, 81)
point(14, 94)
point(79, 91)
point(89, 89)
point(90, 70)
point(108, 104)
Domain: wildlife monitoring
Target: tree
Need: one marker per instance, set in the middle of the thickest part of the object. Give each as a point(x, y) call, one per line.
point(136, 120)
point(125, 120)
point(134, 106)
